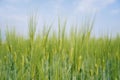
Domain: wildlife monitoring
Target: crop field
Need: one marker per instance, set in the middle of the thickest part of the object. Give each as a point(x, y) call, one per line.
point(59, 56)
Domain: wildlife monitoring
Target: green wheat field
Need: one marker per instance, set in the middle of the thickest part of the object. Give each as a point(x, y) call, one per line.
point(59, 56)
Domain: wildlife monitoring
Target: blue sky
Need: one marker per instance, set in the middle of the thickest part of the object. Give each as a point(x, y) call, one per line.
point(15, 13)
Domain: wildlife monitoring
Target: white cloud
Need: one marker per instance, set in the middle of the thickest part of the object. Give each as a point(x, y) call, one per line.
point(7, 7)
point(8, 15)
point(16, 1)
point(107, 2)
point(88, 6)
point(17, 18)
point(10, 12)
point(115, 11)
point(57, 6)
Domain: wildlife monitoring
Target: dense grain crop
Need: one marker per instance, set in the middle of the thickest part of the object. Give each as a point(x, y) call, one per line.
point(76, 56)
